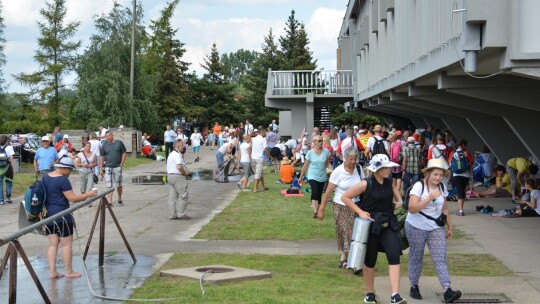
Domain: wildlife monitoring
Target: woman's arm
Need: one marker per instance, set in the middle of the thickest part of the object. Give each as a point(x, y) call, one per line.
point(304, 169)
point(416, 204)
point(348, 196)
point(329, 189)
point(449, 232)
point(397, 197)
point(74, 198)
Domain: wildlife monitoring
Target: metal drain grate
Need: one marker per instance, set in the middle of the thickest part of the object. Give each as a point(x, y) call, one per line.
point(480, 301)
point(481, 298)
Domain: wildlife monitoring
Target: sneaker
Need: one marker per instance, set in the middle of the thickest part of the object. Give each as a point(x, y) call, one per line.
point(450, 295)
point(246, 190)
point(239, 185)
point(478, 184)
point(415, 292)
point(1, 202)
point(489, 209)
point(370, 298)
point(515, 201)
point(279, 182)
point(397, 299)
point(9, 201)
point(120, 203)
point(480, 207)
point(460, 213)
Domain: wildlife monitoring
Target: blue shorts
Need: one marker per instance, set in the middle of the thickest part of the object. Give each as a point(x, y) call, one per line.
point(196, 148)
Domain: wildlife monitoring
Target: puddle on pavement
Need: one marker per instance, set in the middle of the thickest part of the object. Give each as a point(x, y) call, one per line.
point(200, 175)
point(118, 277)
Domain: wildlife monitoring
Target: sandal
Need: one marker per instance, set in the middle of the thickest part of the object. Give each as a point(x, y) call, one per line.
point(342, 264)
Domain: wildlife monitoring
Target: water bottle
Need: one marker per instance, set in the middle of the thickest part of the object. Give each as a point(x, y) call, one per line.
point(35, 200)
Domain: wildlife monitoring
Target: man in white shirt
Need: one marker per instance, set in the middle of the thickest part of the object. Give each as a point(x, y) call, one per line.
point(95, 147)
point(248, 128)
point(258, 148)
point(177, 177)
point(373, 139)
point(169, 136)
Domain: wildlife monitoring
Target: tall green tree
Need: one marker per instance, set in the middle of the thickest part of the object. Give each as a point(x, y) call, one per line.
point(164, 59)
point(56, 56)
point(294, 46)
point(215, 93)
point(103, 88)
point(236, 65)
point(257, 77)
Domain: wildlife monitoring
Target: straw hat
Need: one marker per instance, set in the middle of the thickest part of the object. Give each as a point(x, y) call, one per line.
point(285, 161)
point(437, 163)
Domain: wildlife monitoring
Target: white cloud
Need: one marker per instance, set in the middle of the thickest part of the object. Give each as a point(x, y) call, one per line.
point(323, 28)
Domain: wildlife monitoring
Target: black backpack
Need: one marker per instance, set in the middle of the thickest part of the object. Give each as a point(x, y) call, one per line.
point(408, 196)
point(4, 159)
point(378, 147)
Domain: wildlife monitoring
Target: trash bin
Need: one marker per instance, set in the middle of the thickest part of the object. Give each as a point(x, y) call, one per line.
point(17, 161)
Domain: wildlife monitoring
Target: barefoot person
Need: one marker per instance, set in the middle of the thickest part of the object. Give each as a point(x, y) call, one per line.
point(59, 193)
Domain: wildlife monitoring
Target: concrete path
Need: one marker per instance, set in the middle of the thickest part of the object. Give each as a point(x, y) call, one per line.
point(144, 219)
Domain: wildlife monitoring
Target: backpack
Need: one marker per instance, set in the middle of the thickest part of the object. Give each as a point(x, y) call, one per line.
point(408, 195)
point(459, 162)
point(34, 201)
point(395, 152)
point(378, 147)
point(4, 159)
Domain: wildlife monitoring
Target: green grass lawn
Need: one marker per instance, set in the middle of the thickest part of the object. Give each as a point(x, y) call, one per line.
point(269, 215)
point(295, 279)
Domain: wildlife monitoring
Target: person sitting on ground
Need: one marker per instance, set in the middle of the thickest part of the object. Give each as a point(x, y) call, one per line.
point(148, 151)
point(529, 208)
point(501, 187)
point(286, 172)
point(519, 169)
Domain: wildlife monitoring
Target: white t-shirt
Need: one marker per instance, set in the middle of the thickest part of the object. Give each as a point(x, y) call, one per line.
point(343, 181)
point(371, 142)
point(244, 153)
point(196, 139)
point(292, 144)
point(248, 129)
point(536, 194)
point(433, 208)
point(95, 146)
point(181, 137)
point(174, 159)
point(334, 143)
point(258, 144)
point(224, 148)
point(9, 151)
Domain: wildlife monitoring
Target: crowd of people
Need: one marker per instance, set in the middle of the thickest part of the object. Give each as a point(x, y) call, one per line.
point(366, 171)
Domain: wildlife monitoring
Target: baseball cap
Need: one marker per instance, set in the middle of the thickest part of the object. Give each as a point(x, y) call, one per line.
point(66, 136)
point(45, 138)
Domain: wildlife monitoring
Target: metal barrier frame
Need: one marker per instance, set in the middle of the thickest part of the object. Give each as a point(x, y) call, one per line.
point(14, 247)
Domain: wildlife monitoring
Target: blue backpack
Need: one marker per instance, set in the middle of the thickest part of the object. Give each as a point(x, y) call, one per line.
point(34, 201)
point(459, 162)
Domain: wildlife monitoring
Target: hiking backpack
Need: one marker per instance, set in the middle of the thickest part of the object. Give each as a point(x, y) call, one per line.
point(4, 159)
point(396, 154)
point(459, 162)
point(378, 147)
point(34, 201)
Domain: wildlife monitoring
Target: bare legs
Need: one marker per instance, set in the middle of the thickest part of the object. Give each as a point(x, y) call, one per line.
point(67, 256)
point(393, 273)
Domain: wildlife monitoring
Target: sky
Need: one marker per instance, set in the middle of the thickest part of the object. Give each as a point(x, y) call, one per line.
point(231, 24)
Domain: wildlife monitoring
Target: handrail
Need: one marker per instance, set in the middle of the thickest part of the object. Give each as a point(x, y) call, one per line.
point(43, 222)
point(300, 82)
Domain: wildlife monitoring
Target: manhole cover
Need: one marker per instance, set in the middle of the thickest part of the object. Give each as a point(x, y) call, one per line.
point(216, 274)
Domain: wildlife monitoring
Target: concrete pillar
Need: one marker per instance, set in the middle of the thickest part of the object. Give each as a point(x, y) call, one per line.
point(523, 124)
point(310, 113)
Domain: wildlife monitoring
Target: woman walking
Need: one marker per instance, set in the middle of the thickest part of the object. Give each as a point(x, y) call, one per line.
point(316, 164)
point(342, 179)
point(425, 224)
point(86, 162)
point(376, 204)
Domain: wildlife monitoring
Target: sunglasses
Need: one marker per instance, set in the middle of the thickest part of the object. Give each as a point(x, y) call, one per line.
point(320, 140)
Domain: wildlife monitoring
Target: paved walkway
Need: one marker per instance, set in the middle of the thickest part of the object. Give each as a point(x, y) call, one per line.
point(154, 238)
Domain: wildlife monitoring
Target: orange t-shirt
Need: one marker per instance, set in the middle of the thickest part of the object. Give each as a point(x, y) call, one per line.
point(286, 173)
point(217, 130)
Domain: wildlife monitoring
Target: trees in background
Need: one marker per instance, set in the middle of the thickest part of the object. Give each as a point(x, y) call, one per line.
point(56, 56)
point(103, 87)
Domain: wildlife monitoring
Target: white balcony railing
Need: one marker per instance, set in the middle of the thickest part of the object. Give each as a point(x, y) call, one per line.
point(316, 82)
